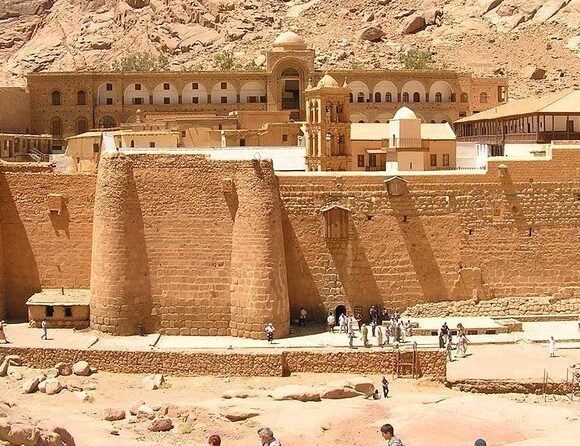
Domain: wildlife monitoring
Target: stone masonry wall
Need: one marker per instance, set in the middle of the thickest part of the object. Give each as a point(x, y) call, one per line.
point(449, 237)
point(42, 249)
point(432, 363)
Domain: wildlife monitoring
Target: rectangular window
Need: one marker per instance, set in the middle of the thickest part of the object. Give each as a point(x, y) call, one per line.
point(224, 99)
point(360, 160)
point(109, 101)
point(433, 160)
point(167, 100)
point(183, 133)
point(49, 311)
point(194, 86)
point(96, 147)
point(152, 144)
point(446, 159)
point(410, 166)
point(137, 87)
point(284, 138)
point(166, 86)
point(194, 100)
point(67, 311)
point(242, 142)
point(224, 85)
point(109, 87)
point(252, 99)
point(263, 99)
point(137, 101)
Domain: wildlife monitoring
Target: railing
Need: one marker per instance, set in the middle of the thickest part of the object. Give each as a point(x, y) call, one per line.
point(376, 168)
point(37, 156)
point(405, 143)
point(521, 137)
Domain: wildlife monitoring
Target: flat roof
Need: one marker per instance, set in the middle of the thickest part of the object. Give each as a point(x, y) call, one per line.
point(364, 131)
point(71, 297)
point(566, 101)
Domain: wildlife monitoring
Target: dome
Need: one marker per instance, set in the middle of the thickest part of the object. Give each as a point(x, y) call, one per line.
point(327, 81)
point(289, 39)
point(404, 113)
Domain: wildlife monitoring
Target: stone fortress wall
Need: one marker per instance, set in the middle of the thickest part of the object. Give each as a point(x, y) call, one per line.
point(185, 245)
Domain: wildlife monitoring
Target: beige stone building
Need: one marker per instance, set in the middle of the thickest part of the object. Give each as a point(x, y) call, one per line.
point(66, 104)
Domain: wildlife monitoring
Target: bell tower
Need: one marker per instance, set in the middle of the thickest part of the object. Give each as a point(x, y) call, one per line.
point(327, 126)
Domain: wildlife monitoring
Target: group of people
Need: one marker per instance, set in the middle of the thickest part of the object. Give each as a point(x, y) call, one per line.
point(446, 341)
point(5, 340)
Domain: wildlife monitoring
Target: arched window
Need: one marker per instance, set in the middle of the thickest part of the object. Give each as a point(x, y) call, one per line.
point(107, 122)
point(405, 97)
point(483, 98)
point(350, 97)
point(56, 97)
point(56, 127)
point(377, 121)
point(360, 97)
point(290, 72)
point(377, 97)
point(388, 97)
point(361, 121)
point(81, 98)
point(416, 97)
point(464, 97)
point(132, 143)
point(438, 97)
point(82, 125)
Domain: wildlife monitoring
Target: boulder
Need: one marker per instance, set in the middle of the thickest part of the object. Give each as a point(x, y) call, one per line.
point(53, 386)
point(135, 407)
point(50, 439)
point(65, 435)
point(15, 375)
point(548, 10)
point(299, 393)
point(13, 360)
point(63, 368)
point(153, 382)
point(488, 5)
point(114, 414)
point(362, 385)
point(239, 414)
point(337, 392)
point(432, 15)
point(81, 368)
point(23, 434)
point(42, 386)
point(137, 4)
point(52, 373)
point(412, 24)
point(534, 73)
point(31, 385)
point(4, 367)
point(144, 411)
point(83, 397)
point(372, 34)
point(161, 425)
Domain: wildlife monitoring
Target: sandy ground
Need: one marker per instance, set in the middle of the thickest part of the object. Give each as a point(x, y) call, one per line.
point(423, 413)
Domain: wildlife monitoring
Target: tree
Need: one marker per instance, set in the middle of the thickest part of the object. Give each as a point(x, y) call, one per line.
point(141, 61)
point(225, 60)
point(416, 59)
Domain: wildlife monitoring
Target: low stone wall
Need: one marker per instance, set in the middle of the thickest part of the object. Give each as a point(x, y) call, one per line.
point(494, 386)
point(504, 306)
point(431, 363)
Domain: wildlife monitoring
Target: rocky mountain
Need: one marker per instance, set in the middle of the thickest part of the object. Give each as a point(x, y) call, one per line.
point(534, 42)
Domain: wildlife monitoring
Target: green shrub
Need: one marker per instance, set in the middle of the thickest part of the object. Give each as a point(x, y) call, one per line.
point(416, 60)
point(141, 61)
point(225, 60)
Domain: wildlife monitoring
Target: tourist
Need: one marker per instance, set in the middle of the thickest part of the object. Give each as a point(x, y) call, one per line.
point(552, 347)
point(372, 313)
point(396, 315)
point(44, 330)
point(330, 322)
point(302, 317)
point(359, 319)
point(342, 323)
point(3, 337)
point(385, 385)
point(350, 334)
point(349, 324)
point(449, 347)
point(365, 335)
point(389, 435)
point(401, 330)
point(480, 442)
point(460, 329)
point(270, 332)
point(408, 329)
point(380, 340)
point(267, 437)
point(214, 440)
point(385, 314)
point(441, 337)
point(459, 348)
point(393, 328)
point(376, 395)
point(373, 327)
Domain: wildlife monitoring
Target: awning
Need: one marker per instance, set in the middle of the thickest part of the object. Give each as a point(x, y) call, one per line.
point(376, 151)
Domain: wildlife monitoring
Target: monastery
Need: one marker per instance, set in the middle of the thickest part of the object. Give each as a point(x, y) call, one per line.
point(177, 241)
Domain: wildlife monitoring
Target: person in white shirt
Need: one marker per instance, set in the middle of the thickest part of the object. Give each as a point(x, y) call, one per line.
point(44, 330)
point(389, 434)
point(330, 322)
point(270, 332)
point(302, 317)
point(267, 437)
point(552, 347)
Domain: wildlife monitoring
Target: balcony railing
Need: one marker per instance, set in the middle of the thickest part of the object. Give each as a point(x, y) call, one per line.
point(540, 137)
point(405, 143)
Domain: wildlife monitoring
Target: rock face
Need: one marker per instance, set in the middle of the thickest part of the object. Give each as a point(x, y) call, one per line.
point(81, 368)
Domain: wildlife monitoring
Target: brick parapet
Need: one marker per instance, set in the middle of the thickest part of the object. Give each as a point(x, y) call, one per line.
point(495, 386)
point(432, 363)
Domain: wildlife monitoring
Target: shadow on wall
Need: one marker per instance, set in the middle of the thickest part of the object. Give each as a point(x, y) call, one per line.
point(516, 208)
point(21, 276)
point(300, 278)
point(354, 270)
point(419, 248)
point(60, 221)
point(137, 255)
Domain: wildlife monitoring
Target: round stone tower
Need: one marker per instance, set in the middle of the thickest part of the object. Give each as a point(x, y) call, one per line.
point(3, 311)
point(120, 288)
point(259, 287)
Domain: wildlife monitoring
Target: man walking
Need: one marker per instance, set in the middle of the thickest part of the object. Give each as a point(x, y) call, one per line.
point(44, 330)
point(389, 434)
point(365, 335)
point(385, 384)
